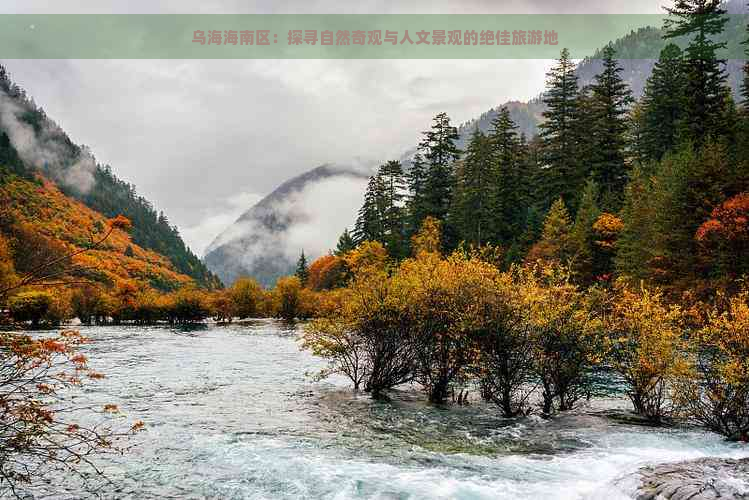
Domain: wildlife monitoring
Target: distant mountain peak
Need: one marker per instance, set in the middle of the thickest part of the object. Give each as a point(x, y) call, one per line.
point(264, 242)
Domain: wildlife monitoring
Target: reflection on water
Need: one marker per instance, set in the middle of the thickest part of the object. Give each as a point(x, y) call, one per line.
point(230, 413)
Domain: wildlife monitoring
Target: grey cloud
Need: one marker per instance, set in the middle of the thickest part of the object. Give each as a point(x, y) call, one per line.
point(43, 149)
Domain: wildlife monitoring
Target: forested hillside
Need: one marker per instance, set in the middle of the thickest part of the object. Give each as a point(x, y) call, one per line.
point(644, 185)
point(31, 143)
point(633, 52)
point(617, 239)
point(40, 223)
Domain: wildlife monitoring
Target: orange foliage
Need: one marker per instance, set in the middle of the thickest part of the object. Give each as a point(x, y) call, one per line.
point(67, 223)
point(607, 228)
point(724, 239)
point(729, 221)
point(326, 272)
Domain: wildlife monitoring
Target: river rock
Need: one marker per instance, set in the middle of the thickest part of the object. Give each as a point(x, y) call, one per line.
point(703, 479)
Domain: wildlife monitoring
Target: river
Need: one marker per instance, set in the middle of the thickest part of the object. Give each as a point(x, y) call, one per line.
point(232, 412)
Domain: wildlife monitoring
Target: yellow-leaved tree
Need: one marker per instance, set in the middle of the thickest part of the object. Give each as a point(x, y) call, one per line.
point(646, 347)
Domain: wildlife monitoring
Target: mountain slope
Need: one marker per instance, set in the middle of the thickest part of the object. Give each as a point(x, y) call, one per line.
point(40, 222)
point(32, 143)
point(300, 214)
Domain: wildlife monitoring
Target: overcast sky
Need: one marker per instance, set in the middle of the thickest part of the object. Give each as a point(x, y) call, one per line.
point(205, 139)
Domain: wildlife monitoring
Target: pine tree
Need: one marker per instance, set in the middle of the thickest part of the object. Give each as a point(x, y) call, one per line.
point(415, 199)
point(473, 215)
point(440, 151)
point(583, 127)
point(662, 105)
point(634, 247)
point(369, 222)
point(559, 155)
point(393, 184)
point(345, 243)
point(662, 213)
point(535, 175)
point(506, 155)
point(610, 99)
point(582, 240)
point(742, 129)
point(302, 269)
point(555, 244)
point(705, 92)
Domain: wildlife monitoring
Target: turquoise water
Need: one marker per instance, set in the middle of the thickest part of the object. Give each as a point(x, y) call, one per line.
point(230, 412)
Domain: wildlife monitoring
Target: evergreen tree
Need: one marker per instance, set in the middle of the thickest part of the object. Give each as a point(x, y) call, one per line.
point(555, 244)
point(439, 150)
point(610, 98)
point(582, 240)
point(506, 155)
point(583, 130)
point(705, 90)
point(634, 252)
point(535, 174)
point(473, 215)
point(369, 222)
point(345, 243)
point(662, 213)
point(415, 199)
point(302, 269)
point(559, 155)
point(393, 184)
point(662, 105)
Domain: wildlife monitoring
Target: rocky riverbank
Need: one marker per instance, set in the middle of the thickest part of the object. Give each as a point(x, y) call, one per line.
point(703, 479)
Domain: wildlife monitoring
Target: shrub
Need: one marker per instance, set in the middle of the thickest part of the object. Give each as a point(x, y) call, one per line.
point(286, 297)
point(89, 304)
point(38, 307)
point(187, 305)
point(717, 393)
point(566, 336)
point(244, 294)
point(327, 272)
point(440, 299)
point(221, 306)
point(504, 361)
point(646, 348)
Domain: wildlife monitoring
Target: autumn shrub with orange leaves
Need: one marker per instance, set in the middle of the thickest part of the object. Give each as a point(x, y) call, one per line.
point(40, 436)
point(440, 297)
point(327, 272)
point(244, 297)
point(715, 392)
point(287, 298)
point(369, 254)
point(366, 339)
point(503, 363)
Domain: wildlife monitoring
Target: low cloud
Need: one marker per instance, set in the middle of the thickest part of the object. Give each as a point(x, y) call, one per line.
point(267, 242)
point(217, 220)
point(45, 149)
point(329, 206)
